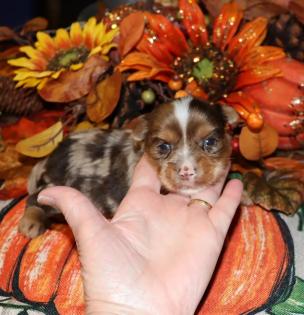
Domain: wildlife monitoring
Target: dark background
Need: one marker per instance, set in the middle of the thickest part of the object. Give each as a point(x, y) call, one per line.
point(60, 13)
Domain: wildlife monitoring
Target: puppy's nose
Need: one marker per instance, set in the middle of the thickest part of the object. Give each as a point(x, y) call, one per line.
point(186, 172)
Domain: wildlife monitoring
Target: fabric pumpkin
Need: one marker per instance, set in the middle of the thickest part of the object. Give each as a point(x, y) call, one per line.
point(46, 271)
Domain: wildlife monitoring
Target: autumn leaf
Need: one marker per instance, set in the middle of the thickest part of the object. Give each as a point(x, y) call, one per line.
point(252, 8)
point(34, 25)
point(43, 143)
point(102, 101)
point(83, 125)
point(254, 146)
point(286, 163)
point(27, 127)
point(7, 33)
point(14, 172)
point(9, 158)
point(15, 182)
point(131, 30)
point(275, 190)
point(72, 85)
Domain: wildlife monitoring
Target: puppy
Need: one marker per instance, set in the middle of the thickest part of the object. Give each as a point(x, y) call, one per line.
point(185, 140)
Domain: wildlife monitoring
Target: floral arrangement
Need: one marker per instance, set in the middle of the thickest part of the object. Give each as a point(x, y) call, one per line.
point(106, 71)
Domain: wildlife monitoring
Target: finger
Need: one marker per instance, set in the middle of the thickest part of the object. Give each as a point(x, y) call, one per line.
point(145, 176)
point(212, 193)
point(224, 209)
point(79, 212)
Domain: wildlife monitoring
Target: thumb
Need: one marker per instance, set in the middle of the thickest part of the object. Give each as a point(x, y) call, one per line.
point(81, 215)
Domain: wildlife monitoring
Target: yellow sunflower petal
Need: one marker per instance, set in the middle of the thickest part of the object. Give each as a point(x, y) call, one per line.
point(100, 30)
point(22, 75)
point(76, 66)
point(42, 83)
point(108, 37)
point(88, 32)
point(31, 52)
point(22, 62)
point(37, 58)
point(95, 51)
point(56, 74)
point(251, 35)
point(105, 49)
point(46, 44)
point(62, 39)
point(76, 34)
point(28, 83)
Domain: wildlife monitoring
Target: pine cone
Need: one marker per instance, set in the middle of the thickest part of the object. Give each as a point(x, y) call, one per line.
point(19, 101)
point(286, 31)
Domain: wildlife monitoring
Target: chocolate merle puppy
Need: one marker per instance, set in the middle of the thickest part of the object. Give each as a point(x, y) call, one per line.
point(185, 140)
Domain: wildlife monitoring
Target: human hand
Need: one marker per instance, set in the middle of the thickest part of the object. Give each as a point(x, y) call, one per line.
point(157, 255)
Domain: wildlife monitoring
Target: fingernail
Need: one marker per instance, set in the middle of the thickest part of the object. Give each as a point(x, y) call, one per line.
point(46, 200)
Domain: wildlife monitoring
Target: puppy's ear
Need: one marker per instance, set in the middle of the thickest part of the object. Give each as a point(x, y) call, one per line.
point(231, 115)
point(139, 128)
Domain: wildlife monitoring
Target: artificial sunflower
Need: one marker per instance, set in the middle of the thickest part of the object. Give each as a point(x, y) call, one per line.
point(68, 51)
point(215, 66)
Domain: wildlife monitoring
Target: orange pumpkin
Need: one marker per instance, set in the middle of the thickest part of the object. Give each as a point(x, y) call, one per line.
point(255, 262)
point(11, 244)
point(42, 263)
point(282, 102)
point(69, 298)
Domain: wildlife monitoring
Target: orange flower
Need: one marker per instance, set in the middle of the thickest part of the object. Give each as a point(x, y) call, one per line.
point(216, 66)
point(67, 51)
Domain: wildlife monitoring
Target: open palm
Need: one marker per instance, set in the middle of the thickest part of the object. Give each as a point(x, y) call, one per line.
point(157, 255)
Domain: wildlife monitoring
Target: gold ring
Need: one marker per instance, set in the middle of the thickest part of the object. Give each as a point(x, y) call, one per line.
point(201, 202)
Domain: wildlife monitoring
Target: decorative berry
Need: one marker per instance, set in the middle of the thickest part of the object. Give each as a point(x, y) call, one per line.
point(148, 96)
point(255, 122)
point(175, 85)
point(235, 145)
point(180, 93)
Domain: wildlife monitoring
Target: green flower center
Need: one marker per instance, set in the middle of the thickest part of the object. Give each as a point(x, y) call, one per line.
point(203, 70)
point(66, 58)
point(211, 68)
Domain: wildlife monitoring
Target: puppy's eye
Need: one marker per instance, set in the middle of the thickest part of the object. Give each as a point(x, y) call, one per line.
point(164, 148)
point(210, 144)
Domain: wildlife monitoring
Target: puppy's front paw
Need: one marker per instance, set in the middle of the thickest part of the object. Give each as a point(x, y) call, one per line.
point(32, 223)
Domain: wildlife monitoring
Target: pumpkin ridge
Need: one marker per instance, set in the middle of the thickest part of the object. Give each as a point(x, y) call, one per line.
point(283, 287)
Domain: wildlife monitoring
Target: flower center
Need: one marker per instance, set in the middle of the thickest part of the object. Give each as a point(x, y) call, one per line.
point(212, 69)
point(66, 58)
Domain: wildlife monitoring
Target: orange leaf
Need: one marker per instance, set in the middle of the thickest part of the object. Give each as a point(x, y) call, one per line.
point(72, 85)
point(9, 159)
point(25, 127)
point(34, 25)
point(254, 146)
point(15, 183)
point(102, 101)
point(280, 162)
point(131, 31)
point(14, 173)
